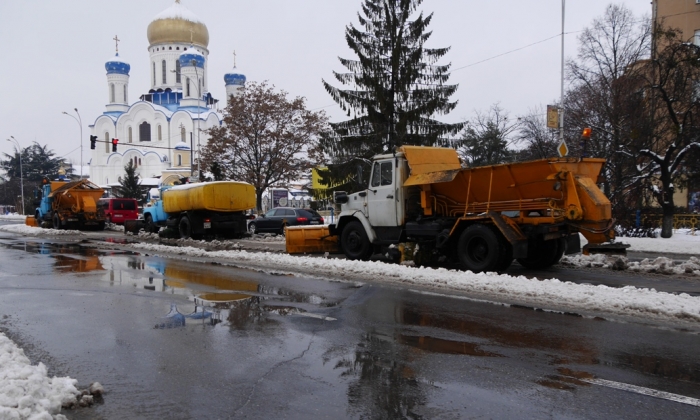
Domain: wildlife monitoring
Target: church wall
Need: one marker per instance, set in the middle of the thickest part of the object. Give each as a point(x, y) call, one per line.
point(158, 53)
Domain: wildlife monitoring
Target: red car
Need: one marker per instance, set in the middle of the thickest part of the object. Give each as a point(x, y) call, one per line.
point(117, 210)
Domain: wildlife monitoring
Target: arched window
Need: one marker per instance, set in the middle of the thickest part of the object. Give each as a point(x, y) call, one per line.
point(187, 93)
point(154, 73)
point(177, 70)
point(145, 131)
point(136, 162)
point(107, 142)
point(126, 99)
point(164, 70)
point(183, 134)
point(131, 137)
point(111, 93)
point(139, 161)
point(179, 160)
point(160, 132)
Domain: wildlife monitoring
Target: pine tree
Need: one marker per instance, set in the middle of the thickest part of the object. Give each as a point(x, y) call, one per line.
point(396, 88)
point(130, 183)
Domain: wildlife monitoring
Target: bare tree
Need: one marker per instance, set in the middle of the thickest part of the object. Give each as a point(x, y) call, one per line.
point(605, 97)
point(266, 139)
point(673, 102)
point(539, 141)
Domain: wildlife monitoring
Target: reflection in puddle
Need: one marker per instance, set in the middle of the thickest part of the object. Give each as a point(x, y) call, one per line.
point(385, 386)
point(438, 345)
point(576, 349)
point(660, 366)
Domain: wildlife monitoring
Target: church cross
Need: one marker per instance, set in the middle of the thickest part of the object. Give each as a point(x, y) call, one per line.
point(116, 42)
point(234, 59)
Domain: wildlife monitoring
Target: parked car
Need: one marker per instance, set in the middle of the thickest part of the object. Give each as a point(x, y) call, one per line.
point(117, 210)
point(276, 219)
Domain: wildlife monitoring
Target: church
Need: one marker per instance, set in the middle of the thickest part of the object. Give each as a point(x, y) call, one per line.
point(163, 131)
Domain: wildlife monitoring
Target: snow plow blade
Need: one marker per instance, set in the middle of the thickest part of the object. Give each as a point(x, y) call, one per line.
point(310, 240)
point(31, 221)
point(615, 248)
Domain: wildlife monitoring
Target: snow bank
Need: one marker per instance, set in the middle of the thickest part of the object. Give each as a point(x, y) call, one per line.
point(546, 294)
point(37, 231)
point(26, 391)
point(13, 216)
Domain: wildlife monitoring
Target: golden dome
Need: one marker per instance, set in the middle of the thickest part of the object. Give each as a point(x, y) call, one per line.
point(177, 25)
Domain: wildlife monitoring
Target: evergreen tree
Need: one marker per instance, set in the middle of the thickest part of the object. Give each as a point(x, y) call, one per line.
point(396, 87)
point(130, 183)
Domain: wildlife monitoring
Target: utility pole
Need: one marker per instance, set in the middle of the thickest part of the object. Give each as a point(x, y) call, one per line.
point(80, 123)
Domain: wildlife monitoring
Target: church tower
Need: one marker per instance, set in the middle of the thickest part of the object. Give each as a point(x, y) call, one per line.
point(172, 32)
point(234, 80)
point(117, 83)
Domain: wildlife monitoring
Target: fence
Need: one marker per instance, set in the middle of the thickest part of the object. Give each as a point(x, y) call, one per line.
point(680, 221)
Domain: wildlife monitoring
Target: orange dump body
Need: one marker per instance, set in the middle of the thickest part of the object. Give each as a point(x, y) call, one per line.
point(543, 191)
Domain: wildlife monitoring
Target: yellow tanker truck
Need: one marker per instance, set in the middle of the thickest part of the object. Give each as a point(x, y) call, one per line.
point(483, 217)
point(200, 209)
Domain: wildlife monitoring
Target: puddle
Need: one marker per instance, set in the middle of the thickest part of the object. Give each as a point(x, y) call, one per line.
point(439, 345)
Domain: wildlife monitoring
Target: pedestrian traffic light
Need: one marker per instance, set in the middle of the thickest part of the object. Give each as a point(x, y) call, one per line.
point(114, 144)
point(93, 140)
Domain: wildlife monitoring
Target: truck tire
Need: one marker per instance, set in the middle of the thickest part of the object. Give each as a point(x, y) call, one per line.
point(252, 228)
point(506, 258)
point(150, 226)
point(56, 222)
point(185, 228)
point(354, 242)
point(480, 249)
point(543, 254)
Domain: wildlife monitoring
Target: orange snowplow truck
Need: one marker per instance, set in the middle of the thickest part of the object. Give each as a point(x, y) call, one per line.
point(483, 217)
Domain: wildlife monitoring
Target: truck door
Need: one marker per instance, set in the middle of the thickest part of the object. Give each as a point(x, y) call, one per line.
point(381, 195)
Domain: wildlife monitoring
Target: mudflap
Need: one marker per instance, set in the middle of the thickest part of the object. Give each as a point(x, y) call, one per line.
point(611, 248)
point(134, 226)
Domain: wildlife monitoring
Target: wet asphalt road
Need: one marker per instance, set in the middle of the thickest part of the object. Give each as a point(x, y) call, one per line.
point(246, 344)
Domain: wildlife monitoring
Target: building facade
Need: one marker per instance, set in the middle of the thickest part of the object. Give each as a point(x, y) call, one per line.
point(162, 132)
point(681, 14)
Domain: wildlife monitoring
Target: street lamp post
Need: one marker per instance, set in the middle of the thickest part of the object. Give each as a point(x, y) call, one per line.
point(21, 176)
point(80, 123)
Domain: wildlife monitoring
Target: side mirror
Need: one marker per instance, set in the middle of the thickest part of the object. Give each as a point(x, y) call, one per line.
point(340, 197)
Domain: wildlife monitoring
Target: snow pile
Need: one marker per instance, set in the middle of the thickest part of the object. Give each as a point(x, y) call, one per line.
point(26, 391)
point(662, 265)
point(266, 237)
point(13, 216)
point(550, 294)
point(37, 231)
point(683, 241)
point(114, 227)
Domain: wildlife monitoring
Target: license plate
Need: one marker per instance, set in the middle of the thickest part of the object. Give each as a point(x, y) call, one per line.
point(72, 220)
point(118, 215)
point(207, 225)
point(314, 222)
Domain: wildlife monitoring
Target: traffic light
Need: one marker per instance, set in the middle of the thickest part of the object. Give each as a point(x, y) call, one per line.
point(114, 144)
point(93, 140)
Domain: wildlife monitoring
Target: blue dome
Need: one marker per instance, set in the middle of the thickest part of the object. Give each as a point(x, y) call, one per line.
point(187, 57)
point(182, 146)
point(234, 79)
point(117, 66)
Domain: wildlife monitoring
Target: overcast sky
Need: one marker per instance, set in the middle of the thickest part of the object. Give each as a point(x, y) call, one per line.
point(54, 54)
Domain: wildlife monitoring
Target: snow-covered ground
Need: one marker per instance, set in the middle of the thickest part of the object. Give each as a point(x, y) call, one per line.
point(549, 294)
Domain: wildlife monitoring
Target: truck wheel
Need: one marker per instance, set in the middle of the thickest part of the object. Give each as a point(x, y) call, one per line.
point(252, 228)
point(480, 249)
point(185, 228)
point(56, 222)
point(543, 254)
point(506, 254)
point(101, 226)
point(354, 242)
point(150, 226)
